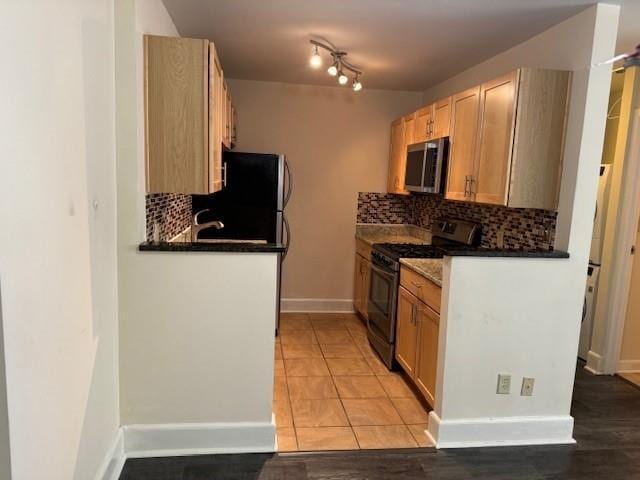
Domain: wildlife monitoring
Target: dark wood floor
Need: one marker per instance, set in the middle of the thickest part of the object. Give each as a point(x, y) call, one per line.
point(607, 429)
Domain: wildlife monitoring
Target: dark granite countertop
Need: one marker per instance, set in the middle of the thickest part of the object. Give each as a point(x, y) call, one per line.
point(241, 247)
point(498, 252)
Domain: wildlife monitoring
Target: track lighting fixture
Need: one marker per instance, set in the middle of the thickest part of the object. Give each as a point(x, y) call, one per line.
point(338, 66)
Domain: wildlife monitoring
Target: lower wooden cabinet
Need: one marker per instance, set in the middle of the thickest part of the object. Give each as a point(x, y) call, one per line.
point(427, 358)
point(417, 329)
point(361, 285)
point(407, 331)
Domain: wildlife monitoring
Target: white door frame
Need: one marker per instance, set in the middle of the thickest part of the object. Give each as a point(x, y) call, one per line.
point(626, 233)
point(620, 234)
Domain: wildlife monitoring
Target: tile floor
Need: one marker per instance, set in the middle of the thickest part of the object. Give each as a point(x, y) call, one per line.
point(331, 392)
point(631, 377)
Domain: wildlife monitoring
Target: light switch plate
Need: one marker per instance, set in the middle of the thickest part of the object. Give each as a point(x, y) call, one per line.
point(527, 386)
point(504, 384)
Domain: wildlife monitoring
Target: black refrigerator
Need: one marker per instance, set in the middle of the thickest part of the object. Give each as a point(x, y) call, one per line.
point(257, 187)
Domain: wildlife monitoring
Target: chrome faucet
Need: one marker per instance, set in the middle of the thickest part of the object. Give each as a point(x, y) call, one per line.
point(196, 226)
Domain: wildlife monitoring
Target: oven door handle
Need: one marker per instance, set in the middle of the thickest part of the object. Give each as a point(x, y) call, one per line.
point(384, 273)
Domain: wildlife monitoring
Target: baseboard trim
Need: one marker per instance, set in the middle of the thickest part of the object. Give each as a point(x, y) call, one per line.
point(113, 462)
point(594, 363)
point(629, 366)
point(181, 439)
point(319, 305)
point(170, 440)
point(492, 432)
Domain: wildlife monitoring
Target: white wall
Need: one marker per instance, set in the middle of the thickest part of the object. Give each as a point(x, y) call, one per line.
point(58, 241)
point(337, 143)
point(525, 314)
point(196, 329)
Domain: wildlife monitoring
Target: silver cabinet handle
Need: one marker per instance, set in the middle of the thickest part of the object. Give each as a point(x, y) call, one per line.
point(224, 174)
point(413, 314)
point(466, 185)
point(471, 181)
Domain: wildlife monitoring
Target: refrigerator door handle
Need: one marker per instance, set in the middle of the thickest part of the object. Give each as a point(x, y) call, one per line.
point(289, 183)
point(288, 241)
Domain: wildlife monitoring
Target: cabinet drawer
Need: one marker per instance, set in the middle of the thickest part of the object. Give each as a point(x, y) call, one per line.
point(424, 289)
point(363, 249)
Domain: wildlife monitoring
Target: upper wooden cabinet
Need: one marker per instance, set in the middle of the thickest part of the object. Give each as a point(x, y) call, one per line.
point(184, 115)
point(425, 124)
point(397, 157)
point(432, 121)
point(464, 131)
point(506, 140)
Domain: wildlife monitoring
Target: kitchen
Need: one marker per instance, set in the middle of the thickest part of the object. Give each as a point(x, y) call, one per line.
point(118, 344)
point(475, 174)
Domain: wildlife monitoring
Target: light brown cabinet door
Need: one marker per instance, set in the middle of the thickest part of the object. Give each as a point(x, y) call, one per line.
point(427, 362)
point(497, 117)
point(176, 114)
point(357, 285)
point(409, 127)
point(422, 124)
point(407, 331)
point(361, 285)
point(462, 150)
point(397, 158)
point(366, 279)
point(440, 119)
point(215, 117)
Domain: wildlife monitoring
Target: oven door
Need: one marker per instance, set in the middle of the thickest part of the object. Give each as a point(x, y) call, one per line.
point(383, 291)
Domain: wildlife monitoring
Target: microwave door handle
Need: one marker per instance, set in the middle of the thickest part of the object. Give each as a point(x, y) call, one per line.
point(289, 183)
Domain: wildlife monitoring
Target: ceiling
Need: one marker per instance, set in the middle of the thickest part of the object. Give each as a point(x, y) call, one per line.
point(400, 44)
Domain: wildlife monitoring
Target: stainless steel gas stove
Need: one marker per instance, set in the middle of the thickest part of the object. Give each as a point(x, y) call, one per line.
point(385, 277)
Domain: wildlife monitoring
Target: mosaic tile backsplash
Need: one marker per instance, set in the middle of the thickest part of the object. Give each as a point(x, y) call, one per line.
point(523, 228)
point(170, 211)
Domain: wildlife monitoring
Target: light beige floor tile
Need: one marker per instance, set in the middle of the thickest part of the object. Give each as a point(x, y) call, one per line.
point(389, 436)
point(411, 410)
point(396, 386)
point(333, 336)
point(306, 367)
point(328, 320)
point(282, 411)
point(419, 435)
point(294, 321)
point(278, 369)
point(301, 351)
point(377, 366)
point(361, 386)
point(372, 411)
point(286, 439)
point(326, 438)
point(359, 337)
point(353, 321)
point(327, 412)
point(348, 366)
point(278, 352)
point(311, 388)
point(347, 350)
point(631, 376)
point(280, 390)
point(298, 337)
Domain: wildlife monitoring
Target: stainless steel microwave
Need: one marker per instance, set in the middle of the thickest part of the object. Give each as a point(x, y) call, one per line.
point(426, 170)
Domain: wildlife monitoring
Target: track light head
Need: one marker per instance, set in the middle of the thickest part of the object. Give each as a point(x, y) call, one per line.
point(357, 86)
point(316, 59)
point(342, 78)
point(333, 69)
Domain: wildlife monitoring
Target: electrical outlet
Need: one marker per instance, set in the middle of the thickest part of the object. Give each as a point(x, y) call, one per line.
point(504, 383)
point(527, 386)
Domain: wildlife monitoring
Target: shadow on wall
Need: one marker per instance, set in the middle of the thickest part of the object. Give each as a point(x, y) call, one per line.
point(99, 381)
point(5, 450)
